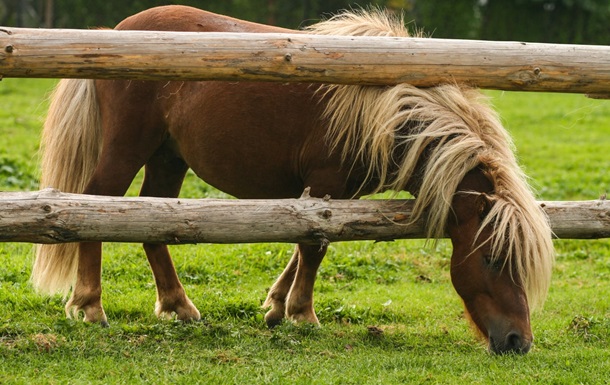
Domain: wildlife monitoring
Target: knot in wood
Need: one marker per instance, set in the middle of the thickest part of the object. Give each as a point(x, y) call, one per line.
point(8, 49)
point(326, 214)
point(288, 57)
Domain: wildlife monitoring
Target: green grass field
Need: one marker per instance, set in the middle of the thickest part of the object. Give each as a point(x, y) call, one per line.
point(402, 287)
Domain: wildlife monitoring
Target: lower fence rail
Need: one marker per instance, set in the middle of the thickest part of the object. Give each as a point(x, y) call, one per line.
point(50, 216)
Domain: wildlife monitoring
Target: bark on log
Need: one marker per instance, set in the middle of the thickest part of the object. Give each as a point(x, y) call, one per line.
point(49, 216)
point(147, 55)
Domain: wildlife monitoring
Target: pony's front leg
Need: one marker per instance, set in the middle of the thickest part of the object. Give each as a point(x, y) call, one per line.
point(279, 291)
point(87, 292)
point(299, 303)
point(171, 297)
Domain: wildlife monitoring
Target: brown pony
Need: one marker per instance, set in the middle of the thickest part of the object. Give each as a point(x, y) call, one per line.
point(445, 145)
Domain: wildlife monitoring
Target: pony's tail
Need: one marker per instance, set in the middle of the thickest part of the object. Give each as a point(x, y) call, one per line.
point(70, 149)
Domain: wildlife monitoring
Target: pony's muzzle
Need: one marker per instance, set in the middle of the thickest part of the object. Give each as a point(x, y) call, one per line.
point(513, 343)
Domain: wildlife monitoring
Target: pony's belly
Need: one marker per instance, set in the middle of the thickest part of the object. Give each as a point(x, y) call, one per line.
point(246, 139)
point(250, 182)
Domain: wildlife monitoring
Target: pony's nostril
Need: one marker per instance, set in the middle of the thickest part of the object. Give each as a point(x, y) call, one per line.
point(513, 343)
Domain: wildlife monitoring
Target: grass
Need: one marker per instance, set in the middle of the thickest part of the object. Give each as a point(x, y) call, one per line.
point(402, 288)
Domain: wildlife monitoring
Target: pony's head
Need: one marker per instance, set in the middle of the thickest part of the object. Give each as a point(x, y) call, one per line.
point(501, 262)
point(447, 146)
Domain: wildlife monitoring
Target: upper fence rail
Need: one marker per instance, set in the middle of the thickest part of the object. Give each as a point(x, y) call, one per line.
point(423, 62)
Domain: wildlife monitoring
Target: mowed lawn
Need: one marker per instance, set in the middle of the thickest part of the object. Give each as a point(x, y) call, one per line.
point(388, 311)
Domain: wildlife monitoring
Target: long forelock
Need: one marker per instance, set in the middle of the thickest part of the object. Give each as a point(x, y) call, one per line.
point(522, 236)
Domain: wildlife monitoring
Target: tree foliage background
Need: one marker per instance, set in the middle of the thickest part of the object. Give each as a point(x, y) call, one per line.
point(553, 21)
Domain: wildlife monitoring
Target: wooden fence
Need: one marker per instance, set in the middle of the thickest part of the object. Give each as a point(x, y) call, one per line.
point(52, 217)
point(147, 55)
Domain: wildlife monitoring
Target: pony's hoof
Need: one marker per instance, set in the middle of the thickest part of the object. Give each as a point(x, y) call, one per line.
point(272, 323)
point(90, 314)
point(189, 317)
point(184, 310)
point(305, 316)
point(273, 319)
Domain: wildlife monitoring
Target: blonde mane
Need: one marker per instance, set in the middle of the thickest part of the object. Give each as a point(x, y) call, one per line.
point(457, 130)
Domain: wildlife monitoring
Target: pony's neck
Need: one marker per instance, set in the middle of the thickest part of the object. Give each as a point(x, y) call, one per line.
point(470, 197)
point(476, 180)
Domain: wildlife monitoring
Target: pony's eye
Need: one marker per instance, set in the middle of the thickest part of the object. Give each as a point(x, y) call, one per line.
point(493, 264)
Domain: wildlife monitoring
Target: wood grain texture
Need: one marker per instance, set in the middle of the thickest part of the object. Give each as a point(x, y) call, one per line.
point(49, 216)
point(145, 55)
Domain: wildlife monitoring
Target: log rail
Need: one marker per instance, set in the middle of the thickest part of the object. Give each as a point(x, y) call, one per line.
point(49, 216)
point(423, 62)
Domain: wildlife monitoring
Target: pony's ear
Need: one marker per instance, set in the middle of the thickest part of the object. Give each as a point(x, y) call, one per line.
point(483, 204)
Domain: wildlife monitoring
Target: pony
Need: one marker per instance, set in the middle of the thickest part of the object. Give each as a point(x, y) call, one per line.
point(445, 145)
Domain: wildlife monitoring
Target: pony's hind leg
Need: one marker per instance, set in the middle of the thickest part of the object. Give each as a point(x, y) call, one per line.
point(87, 293)
point(163, 177)
point(171, 297)
point(276, 299)
point(108, 179)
